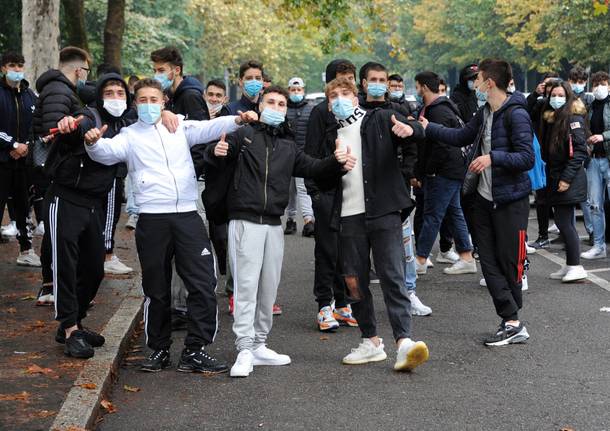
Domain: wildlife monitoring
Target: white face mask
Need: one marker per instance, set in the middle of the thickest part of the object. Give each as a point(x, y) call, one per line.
point(214, 109)
point(115, 107)
point(600, 92)
point(511, 89)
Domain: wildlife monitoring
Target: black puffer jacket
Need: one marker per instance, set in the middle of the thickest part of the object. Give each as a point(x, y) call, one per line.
point(435, 157)
point(188, 99)
point(298, 117)
point(16, 106)
point(465, 98)
point(560, 165)
point(262, 176)
point(74, 176)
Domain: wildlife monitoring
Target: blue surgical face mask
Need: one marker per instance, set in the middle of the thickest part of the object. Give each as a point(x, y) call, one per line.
point(471, 85)
point(397, 94)
point(149, 112)
point(342, 108)
point(272, 117)
point(80, 84)
point(557, 102)
point(252, 87)
point(419, 98)
point(164, 80)
point(14, 76)
point(297, 98)
point(481, 96)
point(578, 88)
point(376, 89)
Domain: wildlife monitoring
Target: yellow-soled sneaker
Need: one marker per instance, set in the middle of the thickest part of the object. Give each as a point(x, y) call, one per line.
point(411, 355)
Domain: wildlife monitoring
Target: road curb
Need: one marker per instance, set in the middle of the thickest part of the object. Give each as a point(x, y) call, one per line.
point(81, 406)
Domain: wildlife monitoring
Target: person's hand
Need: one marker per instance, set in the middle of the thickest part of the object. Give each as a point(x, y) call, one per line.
point(221, 149)
point(424, 122)
point(20, 151)
point(344, 157)
point(541, 88)
point(94, 135)
point(415, 183)
point(246, 117)
point(595, 139)
point(14, 154)
point(479, 164)
point(400, 129)
point(563, 186)
point(170, 121)
point(68, 124)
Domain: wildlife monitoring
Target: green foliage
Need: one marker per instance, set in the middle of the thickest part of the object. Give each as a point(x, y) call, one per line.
point(10, 26)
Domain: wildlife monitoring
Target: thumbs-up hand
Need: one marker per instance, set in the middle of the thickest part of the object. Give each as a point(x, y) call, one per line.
point(401, 130)
point(222, 147)
point(350, 161)
point(246, 117)
point(94, 135)
point(340, 154)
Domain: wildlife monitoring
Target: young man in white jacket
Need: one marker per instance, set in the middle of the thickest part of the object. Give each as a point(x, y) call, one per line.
point(161, 170)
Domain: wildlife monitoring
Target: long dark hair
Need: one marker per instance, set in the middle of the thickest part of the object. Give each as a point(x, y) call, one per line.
point(560, 127)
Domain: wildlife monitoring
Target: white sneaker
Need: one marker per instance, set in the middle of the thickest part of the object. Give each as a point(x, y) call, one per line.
point(594, 253)
point(448, 257)
point(558, 275)
point(132, 221)
point(529, 250)
point(28, 258)
point(366, 352)
point(244, 364)
point(574, 273)
point(420, 269)
point(462, 267)
point(482, 282)
point(553, 229)
point(524, 284)
point(115, 266)
point(417, 307)
point(39, 231)
point(265, 356)
point(429, 263)
point(10, 229)
point(410, 355)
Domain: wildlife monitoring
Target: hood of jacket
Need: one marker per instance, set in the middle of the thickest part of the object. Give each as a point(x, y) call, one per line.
point(99, 95)
point(189, 83)
point(50, 76)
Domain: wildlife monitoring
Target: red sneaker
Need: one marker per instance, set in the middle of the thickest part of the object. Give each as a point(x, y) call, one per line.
point(231, 305)
point(277, 310)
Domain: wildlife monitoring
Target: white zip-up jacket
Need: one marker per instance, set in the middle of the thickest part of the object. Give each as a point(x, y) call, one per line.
point(159, 162)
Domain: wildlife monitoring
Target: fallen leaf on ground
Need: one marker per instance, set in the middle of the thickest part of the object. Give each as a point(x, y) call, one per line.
point(131, 388)
point(23, 396)
point(35, 369)
point(71, 364)
point(44, 413)
point(28, 298)
point(324, 338)
point(11, 310)
point(88, 386)
point(71, 428)
point(108, 406)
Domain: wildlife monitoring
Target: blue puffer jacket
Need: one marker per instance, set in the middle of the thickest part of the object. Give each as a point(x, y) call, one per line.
point(511, 156)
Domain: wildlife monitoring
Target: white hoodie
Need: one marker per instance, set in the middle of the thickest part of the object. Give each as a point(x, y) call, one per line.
point(159, 162)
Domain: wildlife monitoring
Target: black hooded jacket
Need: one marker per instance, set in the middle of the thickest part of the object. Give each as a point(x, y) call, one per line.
point(74, 176)
point(465, 98)
point(188, 100)
point(16, 106)
point(436, 157)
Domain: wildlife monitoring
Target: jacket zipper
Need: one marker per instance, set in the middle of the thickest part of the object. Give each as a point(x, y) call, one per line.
point(169, 169)
point(266, 176)
point(18, 118)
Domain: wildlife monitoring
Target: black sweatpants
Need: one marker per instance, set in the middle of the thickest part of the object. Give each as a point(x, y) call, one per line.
point(543, 212)
point(219, 235)
point(77, 255)
point(328, 283)
point(564, 218)
point(13, 183)
point(160, 237)
point(383, 237)
point(112, 211)
point(500, 233)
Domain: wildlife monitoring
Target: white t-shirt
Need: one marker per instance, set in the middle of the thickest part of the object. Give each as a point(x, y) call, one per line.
point(353, 182)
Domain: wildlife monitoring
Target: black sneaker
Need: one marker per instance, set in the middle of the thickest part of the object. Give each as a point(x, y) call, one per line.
point(291, 227)
point(508, 334)
point(156, 361)
point(199, 361)
point(93, 338)
point(541, 242)
point(77, 346)
point(309, 229)
point(180, 320)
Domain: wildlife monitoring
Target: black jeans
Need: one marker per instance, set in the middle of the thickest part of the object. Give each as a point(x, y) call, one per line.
point(564, 218)
point(328, 284)
point(13, 183)
point(500, 233)
point(383, 236)
point(160, 237)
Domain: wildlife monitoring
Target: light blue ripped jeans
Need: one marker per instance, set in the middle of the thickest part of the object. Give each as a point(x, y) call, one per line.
point(407, 240)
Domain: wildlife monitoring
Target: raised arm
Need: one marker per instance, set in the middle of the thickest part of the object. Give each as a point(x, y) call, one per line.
point(199, 132)
point(104, 150)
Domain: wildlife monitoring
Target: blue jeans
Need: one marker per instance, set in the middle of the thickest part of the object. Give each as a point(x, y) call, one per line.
point(130, 208)
point(442, 198)
point(598, 179)
point(410, 270)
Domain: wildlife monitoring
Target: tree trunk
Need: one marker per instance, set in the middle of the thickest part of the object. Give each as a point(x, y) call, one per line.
point(113, 32)
point(74, 15)
point(40, 36)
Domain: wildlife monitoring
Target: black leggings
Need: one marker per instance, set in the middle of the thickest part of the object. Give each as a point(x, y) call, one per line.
point(564, 218)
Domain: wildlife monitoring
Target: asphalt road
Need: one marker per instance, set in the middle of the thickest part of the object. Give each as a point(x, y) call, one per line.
point(560, 379)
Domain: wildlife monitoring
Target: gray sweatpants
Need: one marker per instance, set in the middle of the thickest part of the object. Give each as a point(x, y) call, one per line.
point(255, 252)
